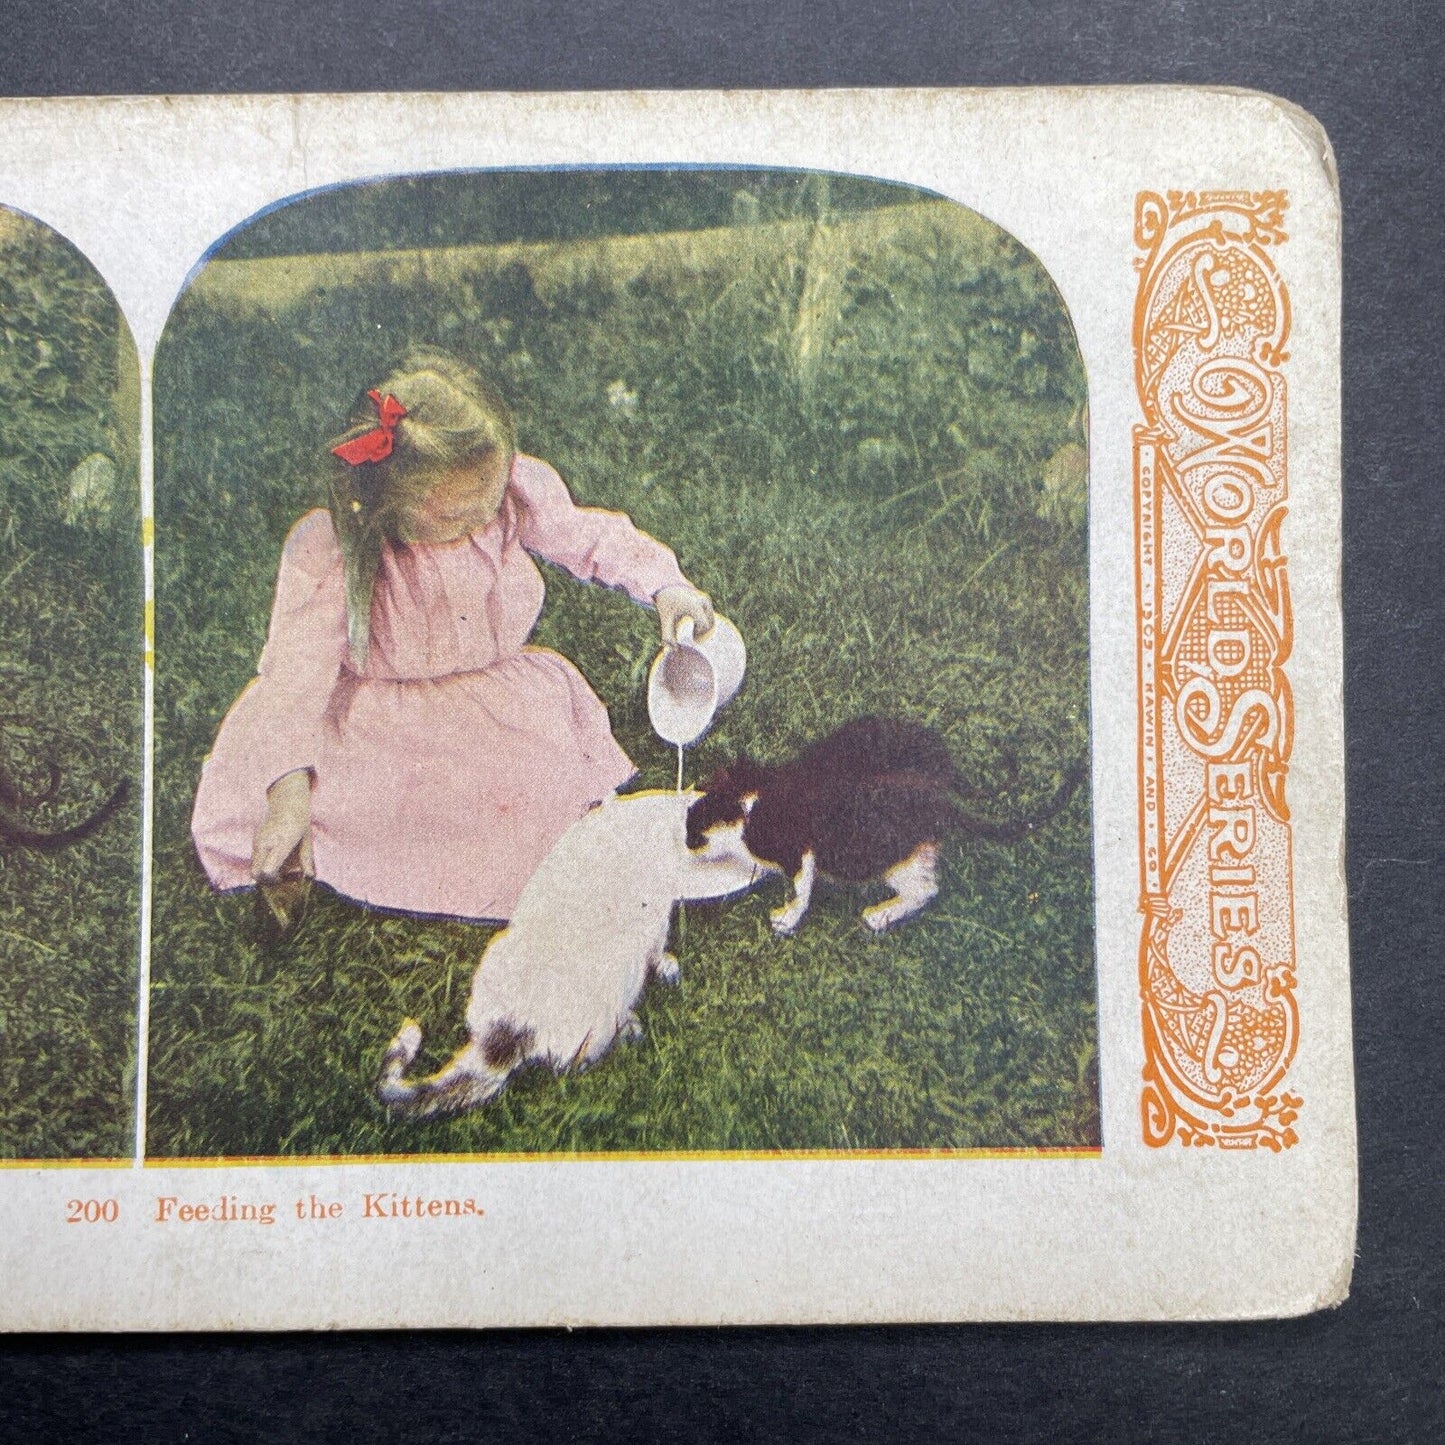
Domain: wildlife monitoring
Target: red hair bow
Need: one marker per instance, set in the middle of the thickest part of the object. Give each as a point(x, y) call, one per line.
point(376, 444)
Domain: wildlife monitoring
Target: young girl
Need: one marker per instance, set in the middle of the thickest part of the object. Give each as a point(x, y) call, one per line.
point(401, 742)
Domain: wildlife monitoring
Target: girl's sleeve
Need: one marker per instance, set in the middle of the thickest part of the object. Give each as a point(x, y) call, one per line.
point(590, 542)
point(274, 726)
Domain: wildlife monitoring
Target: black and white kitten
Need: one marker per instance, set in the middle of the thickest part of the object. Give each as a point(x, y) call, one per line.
point(870, 802)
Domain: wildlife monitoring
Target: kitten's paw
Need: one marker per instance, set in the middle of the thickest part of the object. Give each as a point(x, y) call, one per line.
point(631, 1029)
point(668, 969)
point(786, 920)
point(882, 916)
point(407, 1043)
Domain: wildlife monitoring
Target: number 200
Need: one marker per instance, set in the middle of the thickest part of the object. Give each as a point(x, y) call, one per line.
point(92, 1211)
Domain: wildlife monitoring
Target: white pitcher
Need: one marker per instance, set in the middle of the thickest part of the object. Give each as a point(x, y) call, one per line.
point(691, 679)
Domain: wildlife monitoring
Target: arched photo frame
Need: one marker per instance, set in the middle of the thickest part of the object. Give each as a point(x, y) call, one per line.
point(857, 413)
point(70, 722)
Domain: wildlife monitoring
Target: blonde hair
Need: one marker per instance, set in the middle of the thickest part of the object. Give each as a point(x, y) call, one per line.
point(453, 417)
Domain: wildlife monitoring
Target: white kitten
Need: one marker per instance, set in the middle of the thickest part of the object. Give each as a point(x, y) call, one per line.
point(559, 983)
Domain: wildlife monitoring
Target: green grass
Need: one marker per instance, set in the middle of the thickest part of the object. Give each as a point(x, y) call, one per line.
point(70, 666)
point(844, 446)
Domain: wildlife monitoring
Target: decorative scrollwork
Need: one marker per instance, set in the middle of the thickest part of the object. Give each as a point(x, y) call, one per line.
point(1216, 955)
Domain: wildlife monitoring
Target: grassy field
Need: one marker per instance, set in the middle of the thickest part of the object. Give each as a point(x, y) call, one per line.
point(841, 422)
point(70, 659)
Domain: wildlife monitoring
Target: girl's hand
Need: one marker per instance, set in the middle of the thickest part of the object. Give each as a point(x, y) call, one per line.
point(286, 828)
point(675, 603)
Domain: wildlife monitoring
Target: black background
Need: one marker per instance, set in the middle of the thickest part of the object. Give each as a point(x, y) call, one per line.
point(1372, 1370)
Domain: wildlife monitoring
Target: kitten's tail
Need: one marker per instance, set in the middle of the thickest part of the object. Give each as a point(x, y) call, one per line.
point(11, 797)
point(464, 1083)
point(14, 835)
point(1014, 830)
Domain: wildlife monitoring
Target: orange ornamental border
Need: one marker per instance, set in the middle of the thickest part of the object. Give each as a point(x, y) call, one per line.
point(1217, 945)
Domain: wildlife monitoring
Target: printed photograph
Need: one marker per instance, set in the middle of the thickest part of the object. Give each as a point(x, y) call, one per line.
point(71, 655)
point(622, 677)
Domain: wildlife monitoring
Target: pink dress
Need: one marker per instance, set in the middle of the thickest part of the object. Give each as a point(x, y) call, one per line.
point(445, 772)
